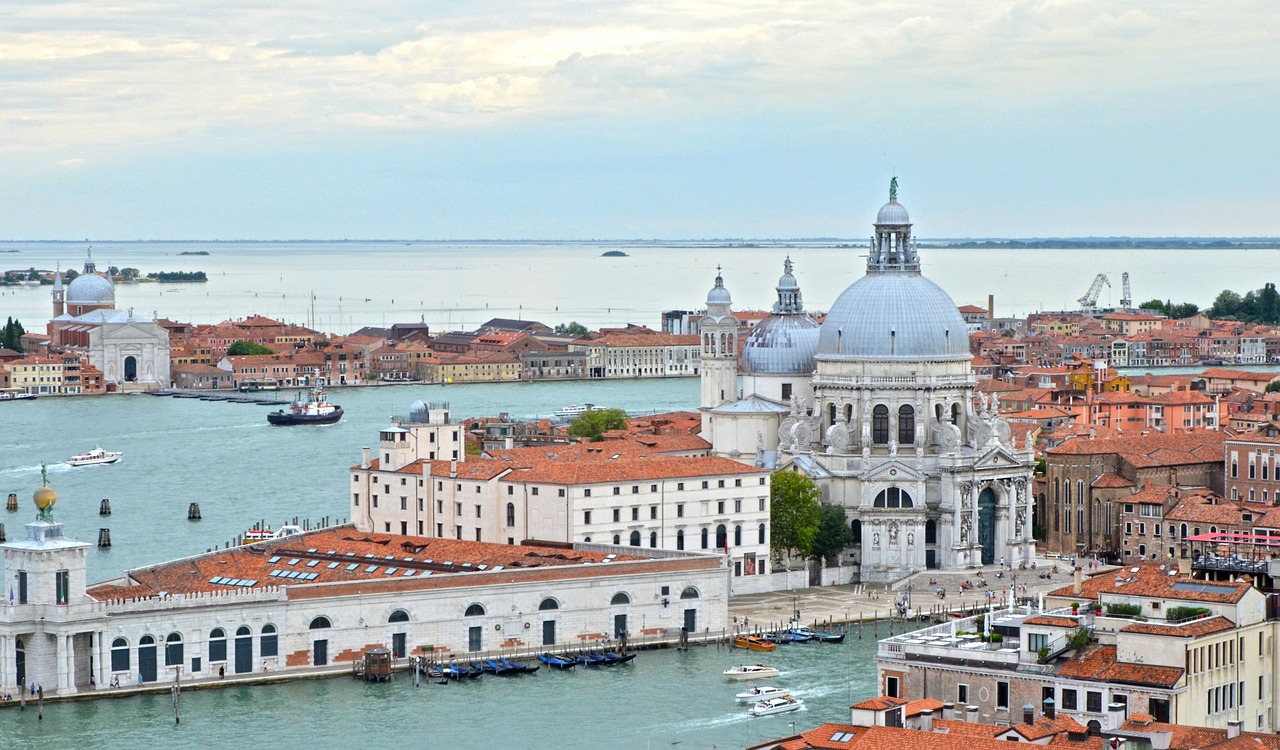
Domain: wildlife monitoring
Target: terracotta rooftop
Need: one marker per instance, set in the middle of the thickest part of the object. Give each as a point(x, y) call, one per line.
point(1149, 580)
point(1052, 621)
point(879, 703)
point(1111, 481)
point(1100, 665)
point(1158, 449)
point(343, 555)
point(1193, 629)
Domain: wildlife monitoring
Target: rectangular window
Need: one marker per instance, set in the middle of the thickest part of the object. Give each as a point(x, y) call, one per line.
point(617, 490)
point(653, 488)
point(737, 506)
point(653, 512)
point(705, 485)
point(720, 507)
point(22, 587)
point(404, 503)
point(891, 687)
point(1037, 641)
point(635, 489)
point(440, 530)
point(1093, 702)
point(679, 510)
point(586, 493)
point(635, 514)
point(61, 582)
point(355, 499)
point(1002, 694)
point(962, 694)
point(617, 515)
point(586, 518)
point(533, 491)
point(762, 502)
point(1069, 700)
point(679, 485)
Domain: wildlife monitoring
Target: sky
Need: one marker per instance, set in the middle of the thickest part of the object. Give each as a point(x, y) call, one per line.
point(590, 119)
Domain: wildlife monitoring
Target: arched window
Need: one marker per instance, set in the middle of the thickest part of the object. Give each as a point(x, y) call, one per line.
point(679, 538)
point(620, 598)
point(722, 536)
point(548, 604)
point(635, 539)
point(318, 623)
point(173, 650)
point(475, 610)
point(587, 540)
point(880, 424)
point(511, 514)
point(704, 537)
point(937, 412)
point(737, 536)
point(146, 640)
point(689, 593)
point(398, 616)
point(268, 642)
point(1182, 532)
point(119, 655)
point(653, 539)
point(906, 425)
point(617, 539)
point(217, 645)
point(761, 530)
point(848, 412)
point(855, 528)
point(955, 414)
point(244, 632)
point(831, 413)
point(893, 498)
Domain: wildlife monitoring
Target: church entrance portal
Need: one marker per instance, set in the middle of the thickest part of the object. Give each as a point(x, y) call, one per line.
point(130, 368)
point(987, 525)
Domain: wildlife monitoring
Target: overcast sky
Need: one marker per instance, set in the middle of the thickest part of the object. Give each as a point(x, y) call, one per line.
point(582, 119)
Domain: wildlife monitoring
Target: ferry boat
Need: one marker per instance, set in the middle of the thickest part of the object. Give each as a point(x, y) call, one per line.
point(315, 410)
point(762, 692)
point(569, 412)
point(776, 706)
point(94, 457)
point(751, 672)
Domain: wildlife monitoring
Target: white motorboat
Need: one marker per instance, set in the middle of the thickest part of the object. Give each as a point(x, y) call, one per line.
point(569, 412)
point(776, 706)
point(751, 672)
point(262, 535)
point(762, 692)
point(95, 456)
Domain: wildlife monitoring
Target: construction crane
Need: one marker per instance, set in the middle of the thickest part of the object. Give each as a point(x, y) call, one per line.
point(1090, 299)
point(1126, 298)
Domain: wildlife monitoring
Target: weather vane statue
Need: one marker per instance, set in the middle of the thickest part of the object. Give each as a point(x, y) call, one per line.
point(893, 188)
point(45, 497)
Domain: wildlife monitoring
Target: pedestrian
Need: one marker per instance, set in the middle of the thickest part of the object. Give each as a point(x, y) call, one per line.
point(222, 670)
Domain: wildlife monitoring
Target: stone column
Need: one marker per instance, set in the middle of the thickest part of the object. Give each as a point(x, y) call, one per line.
point(6, 676)
point(60, 664)
point(95, 659)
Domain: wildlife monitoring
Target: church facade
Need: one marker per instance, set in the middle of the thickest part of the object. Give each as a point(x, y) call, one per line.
point(131, 352)
point(877, 405)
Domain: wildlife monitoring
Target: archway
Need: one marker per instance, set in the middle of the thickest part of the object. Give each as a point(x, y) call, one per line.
point(987, 525)
point(130, 368)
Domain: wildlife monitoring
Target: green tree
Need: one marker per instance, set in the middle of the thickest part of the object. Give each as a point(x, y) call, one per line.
point(592, 424)
point(1181, 310)
point(247, 347)
point(130, 274)
point(11, 337)
point(832, 537)
point(1225, 305)
point(793, 514)
point(1154, 305)
point(571, 329)
point(1273, 386)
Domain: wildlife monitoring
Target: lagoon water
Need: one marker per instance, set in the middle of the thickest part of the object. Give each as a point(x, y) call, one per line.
point(458, 285)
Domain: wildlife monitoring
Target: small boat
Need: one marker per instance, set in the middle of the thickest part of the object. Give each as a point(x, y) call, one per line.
point(620, 658)
point(555, 661)
point(776, 706)
point(762, 692)
point(459, 672)
point(817, 635)
point(94, 457)
point(751, 672)
point(784, 637)
point(315, 410)
point(755, 643)
point(569, 412)
point(262, 535)
point(593, 659)
point(17, 396)
point(489, 666)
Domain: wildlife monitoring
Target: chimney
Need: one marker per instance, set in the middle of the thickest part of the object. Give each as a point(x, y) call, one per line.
point(1115, 715)
point(971, 714)
point(926, 720)
point(508, 442)
point(1233, 729)
point(1077, 585)
point(1029, 715)
point(453, 473)
point(991, 307)
point(364, 459)
point(948, 711)
point(1050, 708)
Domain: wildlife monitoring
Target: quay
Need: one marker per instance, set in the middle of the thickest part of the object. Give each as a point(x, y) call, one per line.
point(233, 397)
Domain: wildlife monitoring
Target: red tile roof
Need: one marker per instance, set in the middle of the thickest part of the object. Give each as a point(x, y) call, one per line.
point(1193, 629)
point(1100, 665)
point(1052, 621)
point(879, 703)
point(1149, 580)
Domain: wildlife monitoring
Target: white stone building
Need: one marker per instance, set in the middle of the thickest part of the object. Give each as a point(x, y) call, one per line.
point(321, 599)
point(879, 410)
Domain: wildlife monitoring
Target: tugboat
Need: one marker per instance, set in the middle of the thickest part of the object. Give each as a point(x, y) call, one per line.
point(316, 410)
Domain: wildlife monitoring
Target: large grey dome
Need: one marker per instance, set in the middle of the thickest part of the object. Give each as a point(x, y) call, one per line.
point(781, 345)
point(896, 315)
point(91, 289)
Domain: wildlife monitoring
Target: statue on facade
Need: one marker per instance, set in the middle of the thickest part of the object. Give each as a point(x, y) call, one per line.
point(966, 524)
point(893, 533)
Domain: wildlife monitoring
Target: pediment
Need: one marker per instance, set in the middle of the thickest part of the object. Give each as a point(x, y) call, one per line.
point(998, 458)
point(892, 471)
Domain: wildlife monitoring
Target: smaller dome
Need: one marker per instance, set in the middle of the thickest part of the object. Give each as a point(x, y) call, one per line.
point(45, 497)
point(781, 345)
point(418, 407)
point(893, 213)
point(718, 294)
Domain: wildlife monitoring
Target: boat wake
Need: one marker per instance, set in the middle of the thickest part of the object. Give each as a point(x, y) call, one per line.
point(58, 467)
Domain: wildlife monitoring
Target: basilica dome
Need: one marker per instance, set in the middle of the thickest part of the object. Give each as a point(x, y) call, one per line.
point(91, 289)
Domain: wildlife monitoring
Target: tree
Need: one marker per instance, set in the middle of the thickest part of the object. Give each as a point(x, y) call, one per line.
point(1273, 386)
point(1225, 305)
point(11, 337)
point(571, 329)
point(129, 274)
point(832, 537)
point(594, 423)
point(247, 347)
point(793, 514)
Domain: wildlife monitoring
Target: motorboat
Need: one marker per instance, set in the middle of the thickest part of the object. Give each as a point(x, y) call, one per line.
point(262, 535)
point(762, 692)
point(751, 672)
point(94, 457)
point(817, 635)
point(12, 396)
point(315, 410)
point(569, 412)
point(755, 643)
point(556, 661)
point(776, 706)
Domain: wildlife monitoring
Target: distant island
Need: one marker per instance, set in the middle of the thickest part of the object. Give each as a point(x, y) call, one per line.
point(179, 276)
point(194, 252)
point(1105, 244)
point(614, 254)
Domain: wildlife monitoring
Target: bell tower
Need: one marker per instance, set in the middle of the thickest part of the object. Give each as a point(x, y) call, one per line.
point(719, 356)
point(59, 294)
